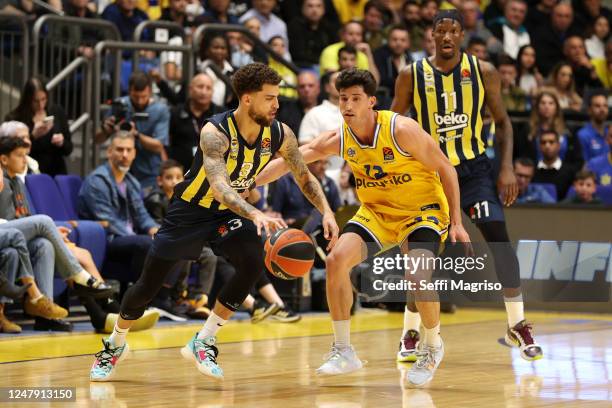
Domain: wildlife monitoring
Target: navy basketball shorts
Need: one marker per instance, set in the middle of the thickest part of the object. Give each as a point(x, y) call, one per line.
point(187, 227)
point(477, 185)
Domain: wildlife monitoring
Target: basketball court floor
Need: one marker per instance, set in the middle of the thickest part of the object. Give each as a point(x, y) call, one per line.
point(272, 365)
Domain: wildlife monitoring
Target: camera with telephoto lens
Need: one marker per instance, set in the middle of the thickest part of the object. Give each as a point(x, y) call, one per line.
point(119, 110)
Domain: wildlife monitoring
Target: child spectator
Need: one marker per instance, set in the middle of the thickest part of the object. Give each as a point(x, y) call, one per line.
point(585, 187)
point(170, 174)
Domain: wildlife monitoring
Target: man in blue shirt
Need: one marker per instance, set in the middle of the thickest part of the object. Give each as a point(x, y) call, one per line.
point(148, 121)
point(125, 16)
point(112, 194)
point(592, 136)
point(524, 169)
point(602, 165)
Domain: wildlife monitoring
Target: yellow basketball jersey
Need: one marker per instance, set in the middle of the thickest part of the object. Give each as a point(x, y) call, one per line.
point(389, 180)
point(450, 106)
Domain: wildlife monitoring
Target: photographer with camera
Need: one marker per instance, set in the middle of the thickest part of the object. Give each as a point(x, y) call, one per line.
point(147, 120)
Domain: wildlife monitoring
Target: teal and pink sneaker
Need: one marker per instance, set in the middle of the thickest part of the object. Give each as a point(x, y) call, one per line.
point(204, 353)
point(104, 368)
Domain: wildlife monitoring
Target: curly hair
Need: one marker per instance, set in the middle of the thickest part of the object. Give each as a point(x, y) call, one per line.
point(252, 77)
point(356, 77)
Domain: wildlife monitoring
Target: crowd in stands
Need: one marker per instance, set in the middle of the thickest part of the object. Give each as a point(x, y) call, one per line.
point(555, 64)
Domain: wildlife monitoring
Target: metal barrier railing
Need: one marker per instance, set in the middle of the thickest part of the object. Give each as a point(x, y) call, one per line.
point(81, 66)
point(154, 25)
point(14, 59)
point(118, 46)
point(201, 31)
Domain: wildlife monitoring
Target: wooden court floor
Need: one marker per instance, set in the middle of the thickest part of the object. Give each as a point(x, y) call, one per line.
point(272, 365)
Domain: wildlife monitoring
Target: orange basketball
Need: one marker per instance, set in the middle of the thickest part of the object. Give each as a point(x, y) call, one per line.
point(289, 253)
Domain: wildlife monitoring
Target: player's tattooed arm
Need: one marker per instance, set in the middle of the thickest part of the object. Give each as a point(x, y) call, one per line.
point(307, 182)
point(506, 183)
point(323, 146)
point(214, 145)
point(402, 101)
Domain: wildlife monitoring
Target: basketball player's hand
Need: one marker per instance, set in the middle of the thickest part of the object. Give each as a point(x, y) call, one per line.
point(457, 233)
point(507, 186)
point(330, 229)
point(268, 223)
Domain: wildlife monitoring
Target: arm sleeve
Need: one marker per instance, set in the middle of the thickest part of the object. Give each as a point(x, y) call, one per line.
point(162, 125)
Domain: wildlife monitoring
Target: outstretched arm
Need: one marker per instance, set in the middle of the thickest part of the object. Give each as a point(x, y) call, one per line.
point(506, 183)
point(308, 183)
point(214, 145)
point(413, 139)
point(323, 146)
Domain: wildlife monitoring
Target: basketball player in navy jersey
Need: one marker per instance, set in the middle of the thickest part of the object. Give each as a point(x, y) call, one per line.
point(209, 207)
point(448, 93)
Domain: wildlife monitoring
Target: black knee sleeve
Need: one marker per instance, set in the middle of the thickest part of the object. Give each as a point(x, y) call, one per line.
point(262, 280)
point(140, 294)
point(424, 238)
point(246, 255)
point(506, 262)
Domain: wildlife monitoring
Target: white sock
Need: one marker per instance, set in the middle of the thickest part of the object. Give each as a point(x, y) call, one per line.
point(82, 277)
point(117, 338)
point(412, 320)
point(212, 326)
point(514, 309)
point(432, 336)
point(342, 333)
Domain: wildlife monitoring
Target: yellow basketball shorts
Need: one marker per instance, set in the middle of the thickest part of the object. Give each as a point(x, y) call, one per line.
point(386, 230)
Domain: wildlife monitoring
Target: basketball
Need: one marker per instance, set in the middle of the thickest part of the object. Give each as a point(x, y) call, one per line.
point(289, 253)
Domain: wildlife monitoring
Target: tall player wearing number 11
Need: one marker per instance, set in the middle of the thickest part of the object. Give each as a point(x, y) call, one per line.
point(209, 207)
point(448, 93)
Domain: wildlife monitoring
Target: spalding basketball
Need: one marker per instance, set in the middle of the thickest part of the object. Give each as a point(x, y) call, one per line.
point(289, 253)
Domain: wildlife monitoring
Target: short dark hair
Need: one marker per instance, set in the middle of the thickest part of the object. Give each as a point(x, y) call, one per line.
point(524, 161)
point(353, 76)
point(169, 164)
point(397, 27)
point(139, 81)
point(453, 14)
point(349, 49)
point(476, 41)
point(550, 132)
point(252, 77)
point(505, 59)
point(584, 175)
point(597, 93)
point(11, 143)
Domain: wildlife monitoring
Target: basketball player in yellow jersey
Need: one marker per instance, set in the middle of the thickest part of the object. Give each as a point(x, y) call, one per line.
point(448, 93)
point(404, 202)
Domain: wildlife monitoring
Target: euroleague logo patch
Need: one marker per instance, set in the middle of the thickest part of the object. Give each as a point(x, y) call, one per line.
point(388, 154)
point(466, 77)
point(223, 230)
point(265, 145)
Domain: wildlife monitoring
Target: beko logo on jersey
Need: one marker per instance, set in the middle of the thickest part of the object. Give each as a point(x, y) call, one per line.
point(242, 183)
point(450, 121)
point(389, 181)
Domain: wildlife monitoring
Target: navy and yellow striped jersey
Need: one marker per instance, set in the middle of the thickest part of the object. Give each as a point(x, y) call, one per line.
point(243, 161)
point(450, 106)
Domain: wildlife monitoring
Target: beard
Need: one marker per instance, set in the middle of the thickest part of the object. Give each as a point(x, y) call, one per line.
point(123, 169)
point(260, 119)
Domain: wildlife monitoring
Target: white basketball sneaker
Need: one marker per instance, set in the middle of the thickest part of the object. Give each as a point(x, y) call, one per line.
point(340, 361)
